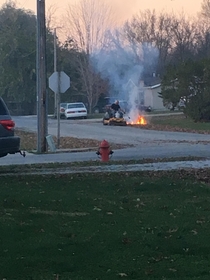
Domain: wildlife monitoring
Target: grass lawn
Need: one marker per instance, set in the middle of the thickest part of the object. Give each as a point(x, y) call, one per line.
point(179, 121)
point(107, 227)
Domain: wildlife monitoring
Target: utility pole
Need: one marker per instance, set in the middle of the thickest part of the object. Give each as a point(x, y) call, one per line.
point(41, 79)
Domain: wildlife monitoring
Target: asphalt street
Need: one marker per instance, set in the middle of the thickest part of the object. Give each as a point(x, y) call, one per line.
point(147, 143)
point(155, 151)
point(93, 129)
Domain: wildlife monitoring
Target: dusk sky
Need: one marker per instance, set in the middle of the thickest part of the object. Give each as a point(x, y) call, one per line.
point(124, 8)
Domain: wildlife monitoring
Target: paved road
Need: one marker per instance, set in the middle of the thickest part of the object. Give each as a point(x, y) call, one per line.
point(147, 143)
point(115, 134)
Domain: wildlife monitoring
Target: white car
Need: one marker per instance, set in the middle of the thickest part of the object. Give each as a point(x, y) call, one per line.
point(76, 110)
point(63, 107)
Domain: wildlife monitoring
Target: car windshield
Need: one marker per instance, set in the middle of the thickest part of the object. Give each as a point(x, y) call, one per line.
point(63, 105)
point(76, 105)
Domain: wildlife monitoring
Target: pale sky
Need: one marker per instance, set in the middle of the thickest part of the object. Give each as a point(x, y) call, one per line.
point(124, 8)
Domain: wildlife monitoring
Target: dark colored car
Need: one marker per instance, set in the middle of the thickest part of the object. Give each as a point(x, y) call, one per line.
point(105, 102)
point(9, 143)
point(143, 108)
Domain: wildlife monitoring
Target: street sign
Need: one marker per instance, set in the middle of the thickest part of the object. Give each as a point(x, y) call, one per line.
point(59, 82)
point(53, 82)
point(64, 82)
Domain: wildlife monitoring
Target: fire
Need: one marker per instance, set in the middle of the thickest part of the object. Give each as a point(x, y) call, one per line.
point(140, 120)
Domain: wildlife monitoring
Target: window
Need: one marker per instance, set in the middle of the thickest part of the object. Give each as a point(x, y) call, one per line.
point(63, 105)
point(76, 105)
point(3, 110)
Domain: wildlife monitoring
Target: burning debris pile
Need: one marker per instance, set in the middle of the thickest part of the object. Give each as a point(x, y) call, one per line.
point(138, 120)
point(135, 116)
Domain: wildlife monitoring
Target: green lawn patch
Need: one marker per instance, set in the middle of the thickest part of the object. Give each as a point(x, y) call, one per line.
point(181, 122)
point(131, 225)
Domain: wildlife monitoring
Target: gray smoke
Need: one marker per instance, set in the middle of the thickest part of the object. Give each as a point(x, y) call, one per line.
point(124, 67)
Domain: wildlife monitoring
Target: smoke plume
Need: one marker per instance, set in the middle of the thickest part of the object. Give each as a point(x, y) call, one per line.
point(125, 68)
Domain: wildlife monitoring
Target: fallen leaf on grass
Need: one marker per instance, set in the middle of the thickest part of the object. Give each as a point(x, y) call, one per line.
point(172, 269)
point(96, 209)
point(172, 230)
point(200, 221)
point(126, 240)
point(122, 274)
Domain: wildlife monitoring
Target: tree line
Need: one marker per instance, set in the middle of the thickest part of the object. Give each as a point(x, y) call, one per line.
point(182, 43)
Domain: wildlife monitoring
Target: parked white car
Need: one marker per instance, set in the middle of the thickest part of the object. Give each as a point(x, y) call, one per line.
point(63, 107)
point(76, 110)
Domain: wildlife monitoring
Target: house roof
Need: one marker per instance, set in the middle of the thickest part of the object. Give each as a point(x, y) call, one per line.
point(148, 82)
point(155, 86)
point(152, 81)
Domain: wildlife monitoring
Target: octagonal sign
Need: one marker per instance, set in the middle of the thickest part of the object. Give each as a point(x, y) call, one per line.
point(59, 82)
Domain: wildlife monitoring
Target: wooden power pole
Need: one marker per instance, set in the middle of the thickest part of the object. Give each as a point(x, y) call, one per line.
point(41, 79)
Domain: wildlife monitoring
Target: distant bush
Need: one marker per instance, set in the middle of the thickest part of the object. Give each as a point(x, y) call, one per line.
point(198, 107)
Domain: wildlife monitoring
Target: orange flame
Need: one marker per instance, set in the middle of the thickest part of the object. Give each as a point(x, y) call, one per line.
point(140, 120)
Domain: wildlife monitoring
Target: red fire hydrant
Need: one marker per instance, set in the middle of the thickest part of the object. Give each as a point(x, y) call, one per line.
point(104, 151)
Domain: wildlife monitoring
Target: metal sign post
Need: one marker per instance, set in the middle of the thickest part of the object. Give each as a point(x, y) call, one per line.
point(55, 69)
point(59, 82)
point(58, 112)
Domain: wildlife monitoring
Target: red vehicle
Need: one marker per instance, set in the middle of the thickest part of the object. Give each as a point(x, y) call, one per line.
point(9, 143)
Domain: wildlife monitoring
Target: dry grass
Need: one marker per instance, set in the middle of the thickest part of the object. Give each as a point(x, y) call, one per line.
point(29, 142)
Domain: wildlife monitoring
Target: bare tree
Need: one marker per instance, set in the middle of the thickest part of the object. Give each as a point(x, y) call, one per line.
point(205, 10)
point(203, 39)
point(86, 25)
point(184, 37)
point(173, 35)
point(52, 20)
point(87, 22)
point(156, 30)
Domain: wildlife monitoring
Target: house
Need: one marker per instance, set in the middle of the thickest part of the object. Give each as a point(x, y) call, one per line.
point(147, 92)
point(151, 97)
point(152, 88)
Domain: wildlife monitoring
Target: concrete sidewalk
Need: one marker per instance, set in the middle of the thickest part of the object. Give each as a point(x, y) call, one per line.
point(154, 152)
